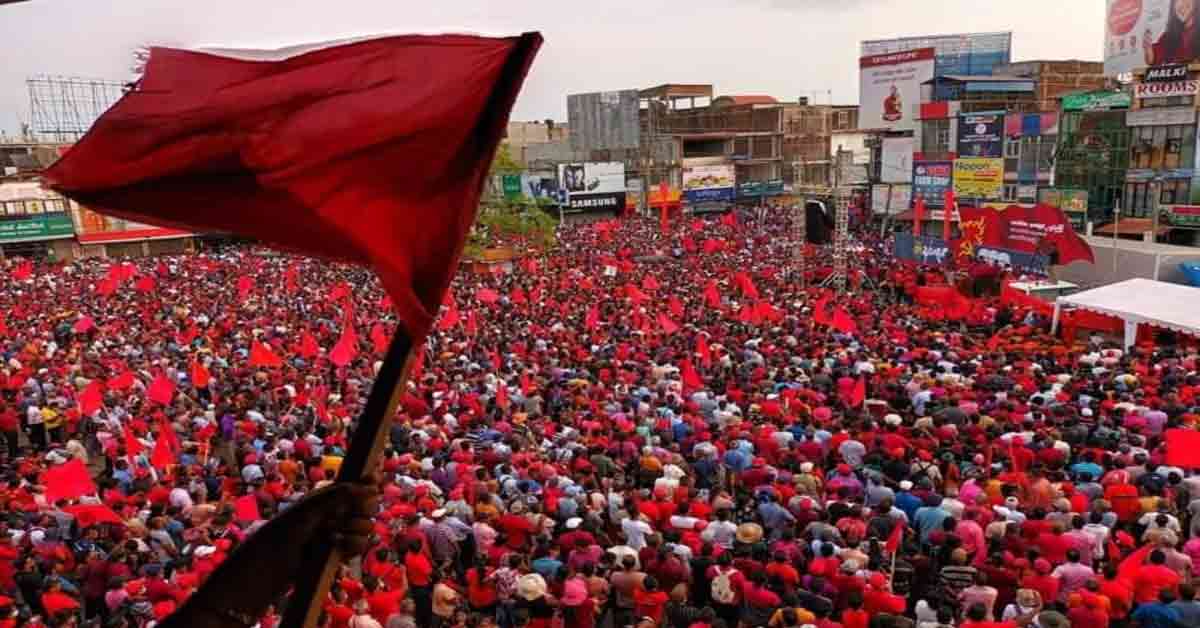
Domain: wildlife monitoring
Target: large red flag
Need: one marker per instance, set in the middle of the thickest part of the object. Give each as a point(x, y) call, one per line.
point(1183, 448)
point(68, 481)
point(301, 148)
point(346, 348)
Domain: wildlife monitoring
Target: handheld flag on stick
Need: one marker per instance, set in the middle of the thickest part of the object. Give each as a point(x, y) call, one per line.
point(300, 149)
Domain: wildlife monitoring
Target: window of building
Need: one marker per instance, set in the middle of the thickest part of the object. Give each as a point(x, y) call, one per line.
point(1012, 149)
point(1010, 192)
point(935, 136)
point(1174, 192)
point(843, 119)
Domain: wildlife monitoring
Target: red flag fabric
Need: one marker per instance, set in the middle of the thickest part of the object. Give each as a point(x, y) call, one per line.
point(667, 325)
point(487, 296)
point(244, 285)
point(23, 271)
point(1183, 448)
point(84, 325)
point(526, 384)
point(691, 379)
point(858, 394)
point(133, 446)
point(746, 285)
point(712, 296)
point(242, 147)
point(650, 283)
point(245, 508)
point(161, 390)
point(145, 284)
point(450, 318)
point(843, 322)
point(379, 339)
point(346, 348)
point(106, 286)
point(821, 311)
point(91, 399)
point(121, 382)
point(261, 355)
point(893, 542)
point(68, 481)
point(703, 350)
point(308, 346)
point(729, 219)
point(918, 214)
point(592, 319)
point(200, 375)
point(88, 515)
point(162, 457)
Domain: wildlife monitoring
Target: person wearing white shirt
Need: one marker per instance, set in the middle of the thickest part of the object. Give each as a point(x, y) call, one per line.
point(635, 530)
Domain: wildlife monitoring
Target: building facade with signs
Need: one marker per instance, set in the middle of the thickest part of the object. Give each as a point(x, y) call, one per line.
point(1092, 153)
point(1162, 145)
point(34, 221)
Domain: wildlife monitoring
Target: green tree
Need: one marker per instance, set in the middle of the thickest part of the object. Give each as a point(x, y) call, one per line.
point(503, 162)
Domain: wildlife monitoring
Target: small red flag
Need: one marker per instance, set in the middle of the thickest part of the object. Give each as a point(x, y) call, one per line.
point(88, 515)
point(1183, 448)
point(84, 325)
point(948, 215)
point(859, 394)
point(308, 346)
point(162, 457)
point(592, 320)
point(346, 348)
point(68, 481)
point(244, 285)
point(712, 296)
point(450, 318)
point(843, 322)
point(379, 339)
point(91, 399)
point(133, 446)
point(145, 283)
point(106, 286)
point(526, 383)
point(487, 296)
point(23, 271)
point(517, 296)
point(200, 375)
point(729, 219)
point(667, 325)
point(197, 156)
point(703, 350)
point(893, 542)
point(121, 382)
point(502, 395)
point(245, 508)
point(650, 283)
point(675, 306)
point(472, 324)
point(261, 355)
point(691, 379)
point(161, 390)
point(746, 285)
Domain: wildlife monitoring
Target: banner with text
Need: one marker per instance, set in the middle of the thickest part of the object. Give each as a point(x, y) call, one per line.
point(931, 180)
point(981, 135)
point(890, 88)
point(978, 178)
point(706, 184)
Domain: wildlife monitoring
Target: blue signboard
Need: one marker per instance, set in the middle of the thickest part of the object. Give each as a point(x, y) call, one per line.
point(981, 134)
point(935, 252)
point(931, 180)
point(709, 195)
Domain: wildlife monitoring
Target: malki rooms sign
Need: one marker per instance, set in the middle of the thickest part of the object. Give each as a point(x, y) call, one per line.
point(1166, 89)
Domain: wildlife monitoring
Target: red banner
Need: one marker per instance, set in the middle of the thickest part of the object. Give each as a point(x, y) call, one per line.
point(1039, 229)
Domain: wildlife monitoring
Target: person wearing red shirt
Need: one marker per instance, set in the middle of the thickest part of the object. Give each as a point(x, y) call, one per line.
point(649, 601)
point(1118, 591)
point(855, 616)
point(338, 610)
point(1041, 580)
point(1153, 578)
point(10, 426)
point(517, 527)
point(785, 572)
point(420, 581)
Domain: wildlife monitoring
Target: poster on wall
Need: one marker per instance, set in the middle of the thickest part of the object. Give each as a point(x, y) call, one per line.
point(1144, 33)
point(1039, 229)
point(931, 179)
point(592, 187)
point(890, 88)
point(896, 166)
point(981, 135)
point(978, 178)
point(705, 184)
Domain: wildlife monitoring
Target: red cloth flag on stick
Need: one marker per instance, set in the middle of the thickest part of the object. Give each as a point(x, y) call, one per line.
point(592, 319)
point(346, 348)
point(261, 355)
point(68, 481)
point(84, 325)
point(23, 271)
point(243, 146)
point(379, 338)
point(133, 446)
point(308, 346)
point(88, 515)
point(1183, 448)
point(858, 395)
point(91, 399)
point(691, 379)
point(245, 508)
point(667, 325)
point(703, 350)
point(161, 390)
point(124, 381)
point(893, 542)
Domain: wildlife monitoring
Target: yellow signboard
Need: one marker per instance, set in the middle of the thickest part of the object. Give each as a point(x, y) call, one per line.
point(978, 177)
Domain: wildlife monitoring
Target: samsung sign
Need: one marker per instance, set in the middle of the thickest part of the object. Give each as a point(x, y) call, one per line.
point(1164, 90)
point(1162, 73)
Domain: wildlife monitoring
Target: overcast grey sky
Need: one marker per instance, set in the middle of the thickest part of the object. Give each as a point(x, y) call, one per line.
point(786, 48)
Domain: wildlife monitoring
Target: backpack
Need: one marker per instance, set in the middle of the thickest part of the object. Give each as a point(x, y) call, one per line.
point(722, 588)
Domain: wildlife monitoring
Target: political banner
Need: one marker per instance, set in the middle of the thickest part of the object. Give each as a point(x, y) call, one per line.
point(978, 177)
point(1143, 33)
point(1039, 229)
point(931, 180)
point(890, 88)
point(981, 135)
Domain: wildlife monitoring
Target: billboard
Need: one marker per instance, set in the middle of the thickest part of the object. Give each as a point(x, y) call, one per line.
point(978, 177)
point(1157, 89)
point(931, 180)
point(890, 88)
point(706, 184)
point(594, 186)
point(890, 199)
point(896, 160)
point(93, 227)
point(604, 120)
point(971, 54)
point(981, 135)
point(1143, 33)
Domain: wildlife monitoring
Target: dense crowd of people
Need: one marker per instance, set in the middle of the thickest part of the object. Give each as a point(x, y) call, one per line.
point(638, 428)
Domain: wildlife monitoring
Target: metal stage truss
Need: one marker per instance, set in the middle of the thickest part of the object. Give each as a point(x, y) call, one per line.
point(63, 108)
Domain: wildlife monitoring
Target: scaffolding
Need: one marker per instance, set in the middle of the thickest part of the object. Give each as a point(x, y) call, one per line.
point(63, 108)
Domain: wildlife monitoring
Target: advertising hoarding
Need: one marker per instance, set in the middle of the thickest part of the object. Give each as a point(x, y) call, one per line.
point(1096, 101)
point(1169, 72)
point(978, 177)
point(931, 179)
point(93, 227)
point(896, 166)
point(42, 227)
point(593, 177)
point(897, 203)
point(704, 184)
point(1143, 33)
point(890, 88)
point(981, 135)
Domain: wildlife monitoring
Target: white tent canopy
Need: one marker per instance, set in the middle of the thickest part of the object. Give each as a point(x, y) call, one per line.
point(1168, 305)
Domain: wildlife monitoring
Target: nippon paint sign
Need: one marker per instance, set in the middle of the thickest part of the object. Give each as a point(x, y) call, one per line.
point(890, 88)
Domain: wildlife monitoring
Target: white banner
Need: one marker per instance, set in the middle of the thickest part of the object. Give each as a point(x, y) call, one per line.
point(889, 93)
point(896, 164)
